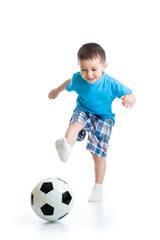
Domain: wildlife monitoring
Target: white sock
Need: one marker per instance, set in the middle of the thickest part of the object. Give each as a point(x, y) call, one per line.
point(97, 193)
point(63, 149)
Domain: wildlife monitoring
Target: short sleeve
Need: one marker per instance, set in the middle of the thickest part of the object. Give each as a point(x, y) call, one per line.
point(71, 86)
point(120, 89)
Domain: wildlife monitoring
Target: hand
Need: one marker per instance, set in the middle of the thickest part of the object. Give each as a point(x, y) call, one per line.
point(53, 94)
point(128, 100)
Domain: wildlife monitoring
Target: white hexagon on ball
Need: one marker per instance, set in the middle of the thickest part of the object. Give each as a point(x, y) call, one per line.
point(52, 199)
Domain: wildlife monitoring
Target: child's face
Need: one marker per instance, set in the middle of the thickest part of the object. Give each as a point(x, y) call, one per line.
point(92, 69)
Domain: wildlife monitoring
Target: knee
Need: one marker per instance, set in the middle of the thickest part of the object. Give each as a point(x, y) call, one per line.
point(77, 125)
point(97, 159)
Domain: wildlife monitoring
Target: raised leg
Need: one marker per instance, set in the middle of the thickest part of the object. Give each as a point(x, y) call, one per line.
point(72, 132)
point(65, 144)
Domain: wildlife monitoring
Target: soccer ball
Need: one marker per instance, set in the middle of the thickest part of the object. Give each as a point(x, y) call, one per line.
point(52, 199)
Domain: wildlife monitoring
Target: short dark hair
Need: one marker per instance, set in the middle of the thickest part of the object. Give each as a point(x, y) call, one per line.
point(90, 51)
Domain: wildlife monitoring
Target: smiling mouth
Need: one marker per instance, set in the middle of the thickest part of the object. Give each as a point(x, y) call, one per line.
point(90, 79)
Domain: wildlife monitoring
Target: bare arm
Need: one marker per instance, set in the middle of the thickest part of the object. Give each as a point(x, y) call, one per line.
point(54, 93)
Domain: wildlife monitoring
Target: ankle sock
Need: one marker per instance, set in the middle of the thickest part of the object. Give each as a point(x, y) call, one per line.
point(97, 193)
point(63, 149)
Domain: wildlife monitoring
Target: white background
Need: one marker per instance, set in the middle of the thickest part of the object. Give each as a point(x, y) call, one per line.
point(39, 41)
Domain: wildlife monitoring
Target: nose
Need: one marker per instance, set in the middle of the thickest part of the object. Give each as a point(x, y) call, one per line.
point(89, 74)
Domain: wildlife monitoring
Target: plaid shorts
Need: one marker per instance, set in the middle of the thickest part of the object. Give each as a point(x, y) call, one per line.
point(99, 131)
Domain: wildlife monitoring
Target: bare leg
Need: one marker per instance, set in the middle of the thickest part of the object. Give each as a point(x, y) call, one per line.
point(72, 132)
point(100, 169)
point(64, 145)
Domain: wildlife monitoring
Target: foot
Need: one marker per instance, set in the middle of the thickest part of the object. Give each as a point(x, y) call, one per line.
point(97, 193)
point(63, 149)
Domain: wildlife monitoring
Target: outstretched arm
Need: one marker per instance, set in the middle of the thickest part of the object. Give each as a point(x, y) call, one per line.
point(128, 100)
point(54, 93)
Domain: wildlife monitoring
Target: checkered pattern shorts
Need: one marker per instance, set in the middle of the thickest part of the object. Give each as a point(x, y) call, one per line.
point(99, 131)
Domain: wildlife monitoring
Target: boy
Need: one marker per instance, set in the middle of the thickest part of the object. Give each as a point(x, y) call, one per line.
point(93, 114)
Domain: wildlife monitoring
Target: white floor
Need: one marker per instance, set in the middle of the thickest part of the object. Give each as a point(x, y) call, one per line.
point(87, 220)
point(130, 209)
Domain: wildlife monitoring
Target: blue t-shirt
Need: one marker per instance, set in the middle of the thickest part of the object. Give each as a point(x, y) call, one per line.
point(97, 97)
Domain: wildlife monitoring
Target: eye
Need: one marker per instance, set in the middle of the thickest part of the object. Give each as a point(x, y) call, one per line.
point(94, 69)
point(83, 70)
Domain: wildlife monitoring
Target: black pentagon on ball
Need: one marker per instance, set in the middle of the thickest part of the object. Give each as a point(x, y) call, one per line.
point(66, 198)
point(46, 187)
point(47, 210)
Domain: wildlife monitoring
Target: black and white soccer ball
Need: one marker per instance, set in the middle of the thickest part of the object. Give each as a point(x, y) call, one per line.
point(52, 199)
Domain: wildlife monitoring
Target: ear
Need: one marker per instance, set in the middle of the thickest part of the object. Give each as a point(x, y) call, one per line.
point(105, 66)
